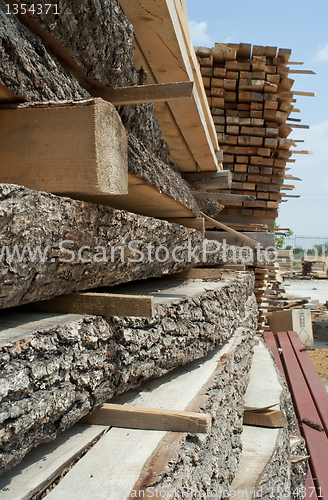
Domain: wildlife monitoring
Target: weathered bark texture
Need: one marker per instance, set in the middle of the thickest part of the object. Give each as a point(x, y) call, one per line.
point(149, 168)
point(206, 464)
point(210, 207)
point(28, 69)
point(33, 220)
point(41, 235)
point(101, 41)
point(53, 375)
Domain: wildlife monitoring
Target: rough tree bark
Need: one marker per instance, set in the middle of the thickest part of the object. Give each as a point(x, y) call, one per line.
point(28, 69)
point(101, 41)
point(32, 220)
point(55, 373)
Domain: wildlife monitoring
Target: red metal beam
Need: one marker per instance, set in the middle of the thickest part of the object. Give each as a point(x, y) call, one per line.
point(317, 442)
point(272, 345)
point(271, 342)
point(315, 384)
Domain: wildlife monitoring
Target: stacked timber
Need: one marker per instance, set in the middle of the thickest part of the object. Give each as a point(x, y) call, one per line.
point(317, 268)
point(249, 93)
point(285, 263)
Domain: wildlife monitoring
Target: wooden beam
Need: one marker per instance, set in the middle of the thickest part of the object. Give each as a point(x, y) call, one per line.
point(222, 196)
point(158, 419)
point(138, 94)
point(230, 230)
point(302, 152)
point(266, 418)
point(199, 273)
point(199, 176)
point(304, 94)
point(217, 182)
point(291, 177)
point(173, 60)
point(99, 304)
point(301, 71)
point(296, 125)
point(179, 149)
point(76, 149)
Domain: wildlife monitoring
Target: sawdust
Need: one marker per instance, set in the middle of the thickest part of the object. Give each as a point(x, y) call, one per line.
point(319, 358)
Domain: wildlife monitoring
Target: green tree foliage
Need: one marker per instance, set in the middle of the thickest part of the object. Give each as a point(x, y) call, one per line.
point(279, 240)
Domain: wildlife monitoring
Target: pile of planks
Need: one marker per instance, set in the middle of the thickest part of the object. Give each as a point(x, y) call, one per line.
point(315, 268)
point(285, 263)
point(249, 93)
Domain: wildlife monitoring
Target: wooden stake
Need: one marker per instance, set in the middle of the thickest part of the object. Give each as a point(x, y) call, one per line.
point(137, 417)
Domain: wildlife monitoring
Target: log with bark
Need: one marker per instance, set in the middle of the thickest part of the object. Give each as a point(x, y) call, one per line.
point(54, 369)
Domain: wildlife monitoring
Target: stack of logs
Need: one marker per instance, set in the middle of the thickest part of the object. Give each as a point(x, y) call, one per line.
point(248, 91)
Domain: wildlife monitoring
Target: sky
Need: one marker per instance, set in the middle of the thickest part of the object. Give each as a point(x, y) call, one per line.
point(303, 27)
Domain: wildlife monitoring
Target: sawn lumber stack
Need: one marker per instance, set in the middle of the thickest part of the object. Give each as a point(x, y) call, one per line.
point(250, 96)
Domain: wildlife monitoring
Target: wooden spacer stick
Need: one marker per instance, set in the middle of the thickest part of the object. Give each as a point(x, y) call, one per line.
point(137, 417)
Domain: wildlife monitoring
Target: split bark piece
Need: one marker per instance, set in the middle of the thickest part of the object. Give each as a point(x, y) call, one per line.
point(158, 419)
point(75, 149)
point(100, 304)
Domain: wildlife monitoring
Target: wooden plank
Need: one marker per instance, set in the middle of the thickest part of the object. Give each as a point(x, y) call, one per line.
point(179, 150)
point(174, 57)
point(217, 182)
point(45, 463)
point(224, 197)
point(230, 230)
point(302, 152)
point(138, 94)
point(223, 175)
point(145, 199)
point(259, 443)
point(158, 419)
point(74, 149)
point(199, 273)
point(264, 238)
point(269, 418)
point(301, 71)
point(101, 304)
point(110, 463)
point(299, 126)
point(304, 94)
point(181, 12)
